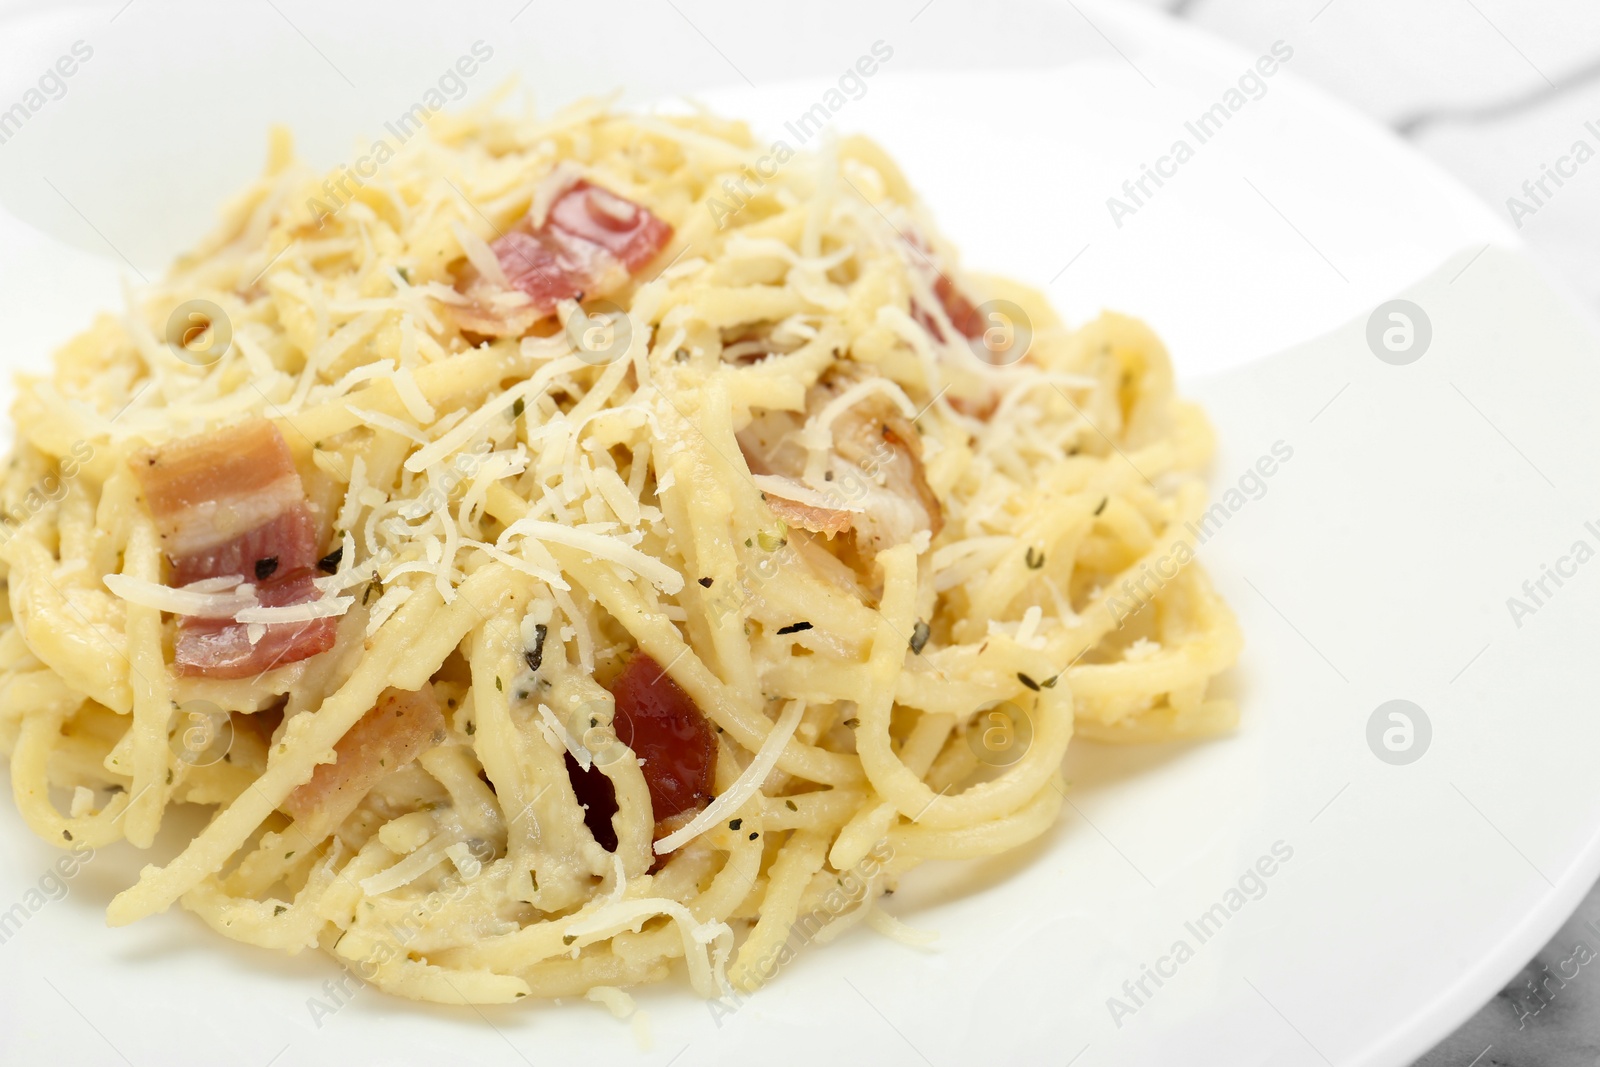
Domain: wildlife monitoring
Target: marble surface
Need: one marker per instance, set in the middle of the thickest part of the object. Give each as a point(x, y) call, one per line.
point(1497, 92)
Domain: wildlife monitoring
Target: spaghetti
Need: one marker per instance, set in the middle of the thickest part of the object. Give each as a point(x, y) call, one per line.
point(668, 564)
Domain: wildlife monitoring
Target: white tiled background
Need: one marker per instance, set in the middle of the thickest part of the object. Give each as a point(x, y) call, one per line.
point(1495, 91)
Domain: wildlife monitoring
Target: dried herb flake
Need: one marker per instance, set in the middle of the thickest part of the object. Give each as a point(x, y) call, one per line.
point(535, 655)
point(919, 637)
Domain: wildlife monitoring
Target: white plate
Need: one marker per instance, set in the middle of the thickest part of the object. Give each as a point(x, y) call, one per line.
point(1375, 564)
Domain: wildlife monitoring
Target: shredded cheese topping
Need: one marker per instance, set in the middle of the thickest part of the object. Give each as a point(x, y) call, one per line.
point(512, 516)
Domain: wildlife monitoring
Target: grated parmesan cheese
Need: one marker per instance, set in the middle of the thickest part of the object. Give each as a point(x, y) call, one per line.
point(611, 549)
point(480, 255)
point(323, 608)
point(183, 601)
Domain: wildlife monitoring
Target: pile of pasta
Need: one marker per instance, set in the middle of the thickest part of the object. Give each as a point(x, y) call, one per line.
point(874, 706)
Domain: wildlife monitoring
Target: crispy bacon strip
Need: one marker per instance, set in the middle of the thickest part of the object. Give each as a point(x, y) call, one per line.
point(664, 728)
point(400, 727)
point(591, 243)
point(231, 503)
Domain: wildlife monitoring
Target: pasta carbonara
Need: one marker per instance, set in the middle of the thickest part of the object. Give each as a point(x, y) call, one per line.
point(565, 549)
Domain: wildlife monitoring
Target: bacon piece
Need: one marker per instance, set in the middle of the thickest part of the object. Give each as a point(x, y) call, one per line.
point(909, 471)
point(281, 545)
point(231, 503)
point(399, 727)
point(961, 312)
point(974, 398)
point(826, 521)
point(957, 308)
point(551, 267)
point(221, 648)
point(207, 491)
point(874, 471)
point(630, 233)
point(599, 799)
point(661, 724)
point(763, 443)
point(591, 243)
